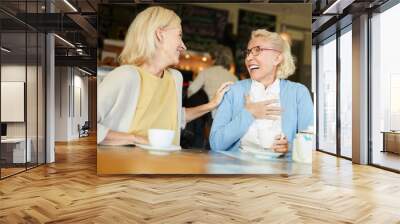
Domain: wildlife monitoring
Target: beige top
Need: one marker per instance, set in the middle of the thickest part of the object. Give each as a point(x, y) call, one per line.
point(157, 106)
point(117, 97)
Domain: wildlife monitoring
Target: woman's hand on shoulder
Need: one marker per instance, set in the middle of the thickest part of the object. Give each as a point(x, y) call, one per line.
point(219, 95)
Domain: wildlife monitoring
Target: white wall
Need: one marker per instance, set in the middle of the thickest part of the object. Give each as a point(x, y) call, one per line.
point(80, 115)
point(71, 93)
point(61, 103)
point(12, 73)
point(33, 127)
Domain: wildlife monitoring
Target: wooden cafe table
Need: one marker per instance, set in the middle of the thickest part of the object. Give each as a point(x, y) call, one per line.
point(134, 160)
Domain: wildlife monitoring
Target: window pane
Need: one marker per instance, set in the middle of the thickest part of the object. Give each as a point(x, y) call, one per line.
point(15, 150)
point(41, 98)
point(327, 96)
point(31, 97)
point(346, 94)
point(385, 88)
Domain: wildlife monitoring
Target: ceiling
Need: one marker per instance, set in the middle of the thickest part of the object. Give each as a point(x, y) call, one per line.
point(336, 14)
point(76, 22)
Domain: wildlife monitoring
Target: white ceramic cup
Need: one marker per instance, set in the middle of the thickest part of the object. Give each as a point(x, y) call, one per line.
point(161, 137)
point(266, 136)
point(267, 131)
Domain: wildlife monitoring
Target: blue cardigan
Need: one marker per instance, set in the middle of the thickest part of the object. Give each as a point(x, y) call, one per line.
point(232, 120)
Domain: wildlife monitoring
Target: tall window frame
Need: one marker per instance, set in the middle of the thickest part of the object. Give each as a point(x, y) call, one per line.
point(335, 150)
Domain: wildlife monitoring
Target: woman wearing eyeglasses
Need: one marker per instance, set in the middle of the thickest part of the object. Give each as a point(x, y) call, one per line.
point(266, 110)
point(144, 92)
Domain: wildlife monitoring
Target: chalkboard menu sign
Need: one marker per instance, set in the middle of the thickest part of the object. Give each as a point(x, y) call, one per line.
point(201, 26)
point(249, 21)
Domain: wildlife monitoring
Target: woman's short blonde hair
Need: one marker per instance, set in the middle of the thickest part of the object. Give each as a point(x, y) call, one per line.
point(140, 41)
point(286, 67)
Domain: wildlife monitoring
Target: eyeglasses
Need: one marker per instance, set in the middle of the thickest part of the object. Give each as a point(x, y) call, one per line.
point(255, 51)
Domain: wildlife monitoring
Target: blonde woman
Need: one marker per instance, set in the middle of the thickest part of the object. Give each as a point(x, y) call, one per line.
point(266, 104)
point(143, 92)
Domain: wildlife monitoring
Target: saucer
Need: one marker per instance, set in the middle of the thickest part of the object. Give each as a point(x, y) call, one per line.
point(262, 153)
point(159, 150)
point(267, 154)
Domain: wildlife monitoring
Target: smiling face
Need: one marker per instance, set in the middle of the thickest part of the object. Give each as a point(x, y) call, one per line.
point(264, 65)
point(171, 44)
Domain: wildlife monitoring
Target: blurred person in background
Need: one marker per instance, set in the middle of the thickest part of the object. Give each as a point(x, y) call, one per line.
point(210, 79)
